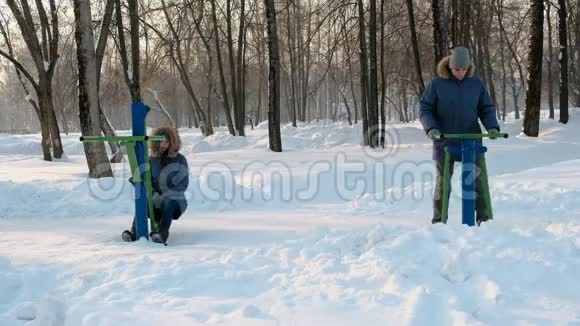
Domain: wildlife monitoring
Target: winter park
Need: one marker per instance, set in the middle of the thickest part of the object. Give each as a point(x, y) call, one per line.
point(321, 162)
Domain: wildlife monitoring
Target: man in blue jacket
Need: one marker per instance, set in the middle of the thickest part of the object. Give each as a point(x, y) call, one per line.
point(453, 103)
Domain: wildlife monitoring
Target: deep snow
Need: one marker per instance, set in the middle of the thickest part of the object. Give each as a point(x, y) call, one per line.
point(325, 233)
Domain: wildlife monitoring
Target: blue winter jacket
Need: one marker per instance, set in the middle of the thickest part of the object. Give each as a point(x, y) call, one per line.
point(172, 180)
point(455, 106)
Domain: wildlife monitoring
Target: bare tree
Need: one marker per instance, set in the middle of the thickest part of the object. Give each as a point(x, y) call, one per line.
point(106, 126)
point(497, 8)
point(161, 108)
point(480, 24)
point(44, 53)
point(225, 96)
point(176, 55)
point(21, 74)
point(415, 45)
point(235, 77)
point(88, 90)
point(439, 34)
point(511, 45)
point(373, 105)
point(549, 61)
point(130, 70)
point(326, 63)
point(383, 76)
point(273, 79)
point(293, 65)
point(563, 38)
point(364, 94)
point(577, 47)
point(240, 71)
point(534, 91)
point(460, 19)
point(349, 66)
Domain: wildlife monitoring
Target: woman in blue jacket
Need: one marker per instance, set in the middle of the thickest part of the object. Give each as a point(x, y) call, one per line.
point(454, 103)
point(170, 178)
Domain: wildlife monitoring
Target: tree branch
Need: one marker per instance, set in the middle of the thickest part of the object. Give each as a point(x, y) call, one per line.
point(104, 35)
point(20, 67)
point(161, 108)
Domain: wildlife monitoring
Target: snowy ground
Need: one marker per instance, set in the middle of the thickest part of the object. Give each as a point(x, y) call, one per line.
point(326, 233)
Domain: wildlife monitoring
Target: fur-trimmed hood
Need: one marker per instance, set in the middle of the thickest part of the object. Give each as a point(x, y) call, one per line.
point(443, 70)
point(174, 141)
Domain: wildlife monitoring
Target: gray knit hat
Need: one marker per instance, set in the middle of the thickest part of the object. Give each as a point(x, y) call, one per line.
point(459, 58)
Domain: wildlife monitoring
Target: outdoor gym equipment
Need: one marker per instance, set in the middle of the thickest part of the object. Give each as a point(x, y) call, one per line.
point(469, 150)
point(138, 155)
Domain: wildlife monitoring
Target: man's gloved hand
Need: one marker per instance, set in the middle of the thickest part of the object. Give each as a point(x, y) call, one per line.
point(434, 134)
point(492, 131)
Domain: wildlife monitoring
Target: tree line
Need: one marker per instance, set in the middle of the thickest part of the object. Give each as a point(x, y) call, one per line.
point(75, 65)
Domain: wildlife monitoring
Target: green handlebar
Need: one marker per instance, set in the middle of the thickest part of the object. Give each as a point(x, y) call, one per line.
point(126, 139)
point(473, 136)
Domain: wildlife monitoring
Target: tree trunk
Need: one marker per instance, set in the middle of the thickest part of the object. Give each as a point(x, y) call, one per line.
point(486, 23)
point(135, 50)
point(570, 49)
point(44, 55)
point(563, 37)
point(287, 95)
point(95, 153)
point(109, 131)
point(515, 92)
point(233, 79)
point(343, 97)
point(454, 22)
point(373, 78)
point(415, 45)
point(299, 43)
point(260, 83)
point(383, 76)
point(210, 87)
point(305, 63)
point(510, 47)
point(350, 71)
point(131, 73)
point(465, 22)
point(404, 102)
point(224, 89)
point(292, 75)
point(327, 99)
point(364, 74)
point(534, 91)
point(273, 79)
point(549, 61)
point(241, 107)
point(106, 126)
point(243, 85)
point(57, 150)
point(504, 74)
point(577, 34)
point(193, 113)
point(439, 34)
point(44, 126)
